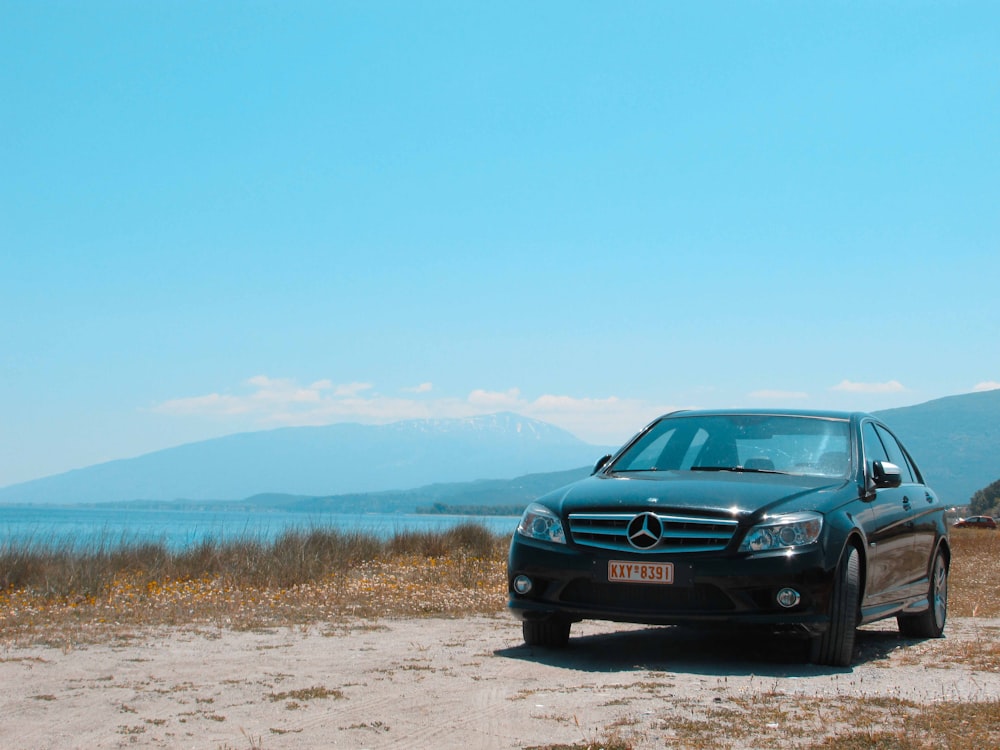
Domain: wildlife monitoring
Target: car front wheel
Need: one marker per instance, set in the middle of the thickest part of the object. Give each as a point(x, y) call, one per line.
point(835, 647)
point(552, 633)
point(930, 623)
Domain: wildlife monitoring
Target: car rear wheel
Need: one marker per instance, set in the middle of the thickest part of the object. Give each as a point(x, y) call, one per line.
point(835, 647)
point(553, 633)
point(930, 623)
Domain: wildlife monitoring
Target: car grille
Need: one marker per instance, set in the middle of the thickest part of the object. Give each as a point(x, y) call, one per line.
point(641, 598)
point(680, 533)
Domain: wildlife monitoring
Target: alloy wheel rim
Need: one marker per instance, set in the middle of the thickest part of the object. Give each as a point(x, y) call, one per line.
point(940, 590)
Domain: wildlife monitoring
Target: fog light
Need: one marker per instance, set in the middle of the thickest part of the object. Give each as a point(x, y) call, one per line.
point(522, 584)
point(788, 598)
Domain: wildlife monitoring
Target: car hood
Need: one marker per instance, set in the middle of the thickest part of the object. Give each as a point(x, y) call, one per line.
point(730, 494)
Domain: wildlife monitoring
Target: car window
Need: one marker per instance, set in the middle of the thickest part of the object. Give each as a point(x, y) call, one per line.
point(874, 450)
point(910, 464)
point(647, 455)
point(697, 443)
point(896, 454)
point(787, 444)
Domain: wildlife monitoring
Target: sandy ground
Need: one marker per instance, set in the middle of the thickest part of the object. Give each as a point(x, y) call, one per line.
point(435, 683)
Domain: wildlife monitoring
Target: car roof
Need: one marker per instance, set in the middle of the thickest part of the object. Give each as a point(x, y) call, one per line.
point(814, 413)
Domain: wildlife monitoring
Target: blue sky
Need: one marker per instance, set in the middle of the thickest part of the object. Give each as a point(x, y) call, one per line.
point(218, 216)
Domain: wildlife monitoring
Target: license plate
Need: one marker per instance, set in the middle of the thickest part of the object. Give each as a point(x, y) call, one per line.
point(633, 572)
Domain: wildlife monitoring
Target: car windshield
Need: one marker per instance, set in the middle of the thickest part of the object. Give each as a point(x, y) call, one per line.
point(742, 442)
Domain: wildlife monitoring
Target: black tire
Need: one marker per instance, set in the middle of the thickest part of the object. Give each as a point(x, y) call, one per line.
point(552, 633)
point(835, 647)
point(930, 623)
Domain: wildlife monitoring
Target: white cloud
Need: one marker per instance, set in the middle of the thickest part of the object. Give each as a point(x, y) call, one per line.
point(987, 385)
point(351, 389)
point(285, 390)
point(280, 400)
point(509, 399)
point(375, 410)
point(267, 402)
point(212, 404)
point(422, 388)
point(773, 395)
point(893, 386)
point(597, 420)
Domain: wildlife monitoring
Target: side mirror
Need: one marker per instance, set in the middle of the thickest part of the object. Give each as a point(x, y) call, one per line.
point(601, 463)
point(886, 474)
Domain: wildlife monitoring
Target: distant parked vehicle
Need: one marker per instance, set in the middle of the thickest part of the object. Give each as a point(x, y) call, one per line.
point(976, 522)
point(808, 522)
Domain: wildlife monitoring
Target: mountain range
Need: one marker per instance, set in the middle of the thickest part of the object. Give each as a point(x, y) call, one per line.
point(498, 459)
point(954, 440)
point(321, 461)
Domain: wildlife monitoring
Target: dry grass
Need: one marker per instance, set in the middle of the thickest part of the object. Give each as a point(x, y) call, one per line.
point(975, 573)
point(322, 575)
point(611, 742)
point(307, 694)
point(847, 723)
point(303, 577)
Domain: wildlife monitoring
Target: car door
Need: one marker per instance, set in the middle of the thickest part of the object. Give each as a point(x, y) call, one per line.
point(889, 528)
point(924, 505)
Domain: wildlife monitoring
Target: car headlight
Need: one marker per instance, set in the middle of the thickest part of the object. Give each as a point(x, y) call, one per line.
point(783, 532)
point(538, 522)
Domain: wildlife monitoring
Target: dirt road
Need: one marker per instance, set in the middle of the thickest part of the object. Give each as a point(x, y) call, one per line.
point(464, 683)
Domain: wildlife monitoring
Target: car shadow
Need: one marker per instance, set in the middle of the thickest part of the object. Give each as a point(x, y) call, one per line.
point(712, 652)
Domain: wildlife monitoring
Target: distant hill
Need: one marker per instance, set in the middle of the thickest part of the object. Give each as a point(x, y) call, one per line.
point(321, 462)
point(955, 440)
point(511, 495)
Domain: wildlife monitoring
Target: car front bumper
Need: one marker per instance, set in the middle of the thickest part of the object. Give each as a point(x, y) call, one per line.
point(725, 588)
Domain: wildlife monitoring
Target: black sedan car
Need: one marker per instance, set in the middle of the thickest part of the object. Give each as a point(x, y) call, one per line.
point(808, 522)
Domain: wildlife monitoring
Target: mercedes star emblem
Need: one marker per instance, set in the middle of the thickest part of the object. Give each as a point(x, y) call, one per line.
point(644, 531)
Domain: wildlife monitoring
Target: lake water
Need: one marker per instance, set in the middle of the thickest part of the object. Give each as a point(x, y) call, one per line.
point(61, 527)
